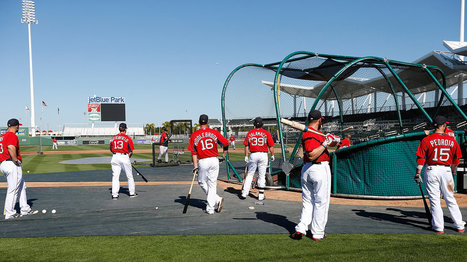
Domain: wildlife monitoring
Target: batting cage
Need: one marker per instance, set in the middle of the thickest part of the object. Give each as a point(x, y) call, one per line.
point(380, 102)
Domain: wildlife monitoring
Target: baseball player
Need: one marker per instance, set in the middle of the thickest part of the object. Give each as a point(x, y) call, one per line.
point(344, 142)
point(203, 146)
point(54, 145)
point(441, 153)
point(122, 148)
point(258, 141)
point(232, 141)
point(164, 147)
point(10, 159)
point(316, 180)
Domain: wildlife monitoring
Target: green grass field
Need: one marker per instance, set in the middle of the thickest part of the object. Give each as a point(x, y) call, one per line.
point(258, 247)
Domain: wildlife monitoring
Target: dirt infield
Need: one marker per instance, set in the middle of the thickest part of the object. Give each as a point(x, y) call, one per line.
point(297, 196)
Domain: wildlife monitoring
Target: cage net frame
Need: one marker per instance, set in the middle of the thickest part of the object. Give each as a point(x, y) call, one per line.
point(338, 87)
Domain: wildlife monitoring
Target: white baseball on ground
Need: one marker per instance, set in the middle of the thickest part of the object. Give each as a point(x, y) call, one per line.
point(44, 211)
point(54, 211)
point(251, 208)
point(156, 208)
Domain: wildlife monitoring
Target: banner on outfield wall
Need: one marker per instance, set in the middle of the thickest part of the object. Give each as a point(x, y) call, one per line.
point(94, 142)
point(22, 131)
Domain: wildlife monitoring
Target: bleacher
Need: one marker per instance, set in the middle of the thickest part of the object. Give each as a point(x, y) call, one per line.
point(100, 131)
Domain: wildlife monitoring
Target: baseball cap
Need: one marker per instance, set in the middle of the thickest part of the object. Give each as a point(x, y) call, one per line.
point(439, 120)
point(203, 119)
point(13, 122)
point(258, 122)
point(315, 115)
point(165, 129)
point(122, 126)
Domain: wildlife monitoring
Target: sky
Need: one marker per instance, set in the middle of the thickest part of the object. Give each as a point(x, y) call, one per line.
point(170, 59)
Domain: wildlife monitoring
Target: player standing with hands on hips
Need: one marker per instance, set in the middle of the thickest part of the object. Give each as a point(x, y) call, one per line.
point(258, 141)
point(164, 147)
point(442, 154)
point(316, 180)
point(203, 146)
point(122, 148)
point(10, 166)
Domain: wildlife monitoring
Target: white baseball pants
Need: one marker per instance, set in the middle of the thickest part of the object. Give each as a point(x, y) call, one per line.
point(257, 160)
point(16, 189)
point(316, 186)
point(54, 146)
point(120, 161)
point(208, 170)
point(163, 150)
point(438, 179)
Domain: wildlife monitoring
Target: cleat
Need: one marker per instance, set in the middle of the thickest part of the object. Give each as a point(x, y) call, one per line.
point(30, 212)
point(319, 239)
point(114, 197)
point(461, 230)
point(13, 216)
point(242, 197)
point(219, 207)
point(134, 195)
point(209, 212)
point(297, 236)
point(261, 197)
point(439, 232)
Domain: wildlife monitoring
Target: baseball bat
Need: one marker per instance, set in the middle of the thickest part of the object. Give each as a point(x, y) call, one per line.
point(139, 174)
point(347, 128)
point(427, 209)
point(244, 175)
point(299, 126)
point(187, 201)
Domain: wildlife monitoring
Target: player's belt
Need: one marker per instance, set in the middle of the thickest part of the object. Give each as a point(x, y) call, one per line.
point(319, 163)
point(441, 165)
point(120, 153)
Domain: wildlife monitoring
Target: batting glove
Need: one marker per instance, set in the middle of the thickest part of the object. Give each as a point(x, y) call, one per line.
point(272, 158)
point(418, 178)
point(246, 159)
point(328, 140)
point(195, 171)
point(221, 159)
point(17, 163)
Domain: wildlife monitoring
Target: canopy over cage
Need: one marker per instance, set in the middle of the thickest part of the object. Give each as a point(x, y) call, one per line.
point(343, 82)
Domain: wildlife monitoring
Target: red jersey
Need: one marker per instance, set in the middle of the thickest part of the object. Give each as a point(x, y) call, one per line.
point(121, 143)
point(9, 138)
point(164, 139)
point(232, 138)
point(54, 140)
point(344, 143)
point(450, 132)
point(311, 141)
point(439, 149)
point(204, 142)
point(258, 140)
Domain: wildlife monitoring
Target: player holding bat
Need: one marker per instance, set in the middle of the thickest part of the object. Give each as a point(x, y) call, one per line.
point(203, 146)
point(441, 153)
point(315, 178)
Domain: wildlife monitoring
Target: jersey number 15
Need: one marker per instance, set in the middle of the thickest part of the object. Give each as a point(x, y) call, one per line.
point(443, 154)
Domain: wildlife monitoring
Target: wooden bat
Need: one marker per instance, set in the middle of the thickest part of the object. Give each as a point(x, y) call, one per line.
point(299, 126)
point(427, 209)
point(244, 175)
point(347, 129)
point(139, 174)
point(187, 201)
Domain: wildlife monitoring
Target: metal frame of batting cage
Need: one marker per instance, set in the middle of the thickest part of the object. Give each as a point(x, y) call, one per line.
point(174, 141)
point(279, 69)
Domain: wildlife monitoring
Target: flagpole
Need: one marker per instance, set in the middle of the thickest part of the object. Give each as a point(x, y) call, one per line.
point(58, 116)
point(42, 129)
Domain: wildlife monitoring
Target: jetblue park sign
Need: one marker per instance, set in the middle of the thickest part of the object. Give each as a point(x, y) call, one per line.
point(106, 99)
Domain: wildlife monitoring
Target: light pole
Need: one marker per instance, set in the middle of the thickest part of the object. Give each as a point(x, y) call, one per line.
point(29, 17)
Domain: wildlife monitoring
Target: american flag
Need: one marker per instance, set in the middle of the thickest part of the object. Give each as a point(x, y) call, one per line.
point(27, 108)
point(43, 103)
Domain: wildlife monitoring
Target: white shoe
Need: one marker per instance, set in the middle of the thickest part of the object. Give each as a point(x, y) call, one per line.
point(30, 212)
point(209, 212)
point(13, 216)
point(261, 197)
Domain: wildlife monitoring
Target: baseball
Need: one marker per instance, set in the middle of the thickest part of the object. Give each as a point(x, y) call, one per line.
point(251, 208)
point(27, 171)
point(156, 208)
point(44, 211)
point(54, 211)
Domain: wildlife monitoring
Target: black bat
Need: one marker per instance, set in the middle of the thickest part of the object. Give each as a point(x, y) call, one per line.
point(427, 209)
point(139, 174)
point(187, 201)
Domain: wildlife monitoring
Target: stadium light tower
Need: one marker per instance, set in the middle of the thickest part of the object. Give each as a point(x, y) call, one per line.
point(29, 17)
